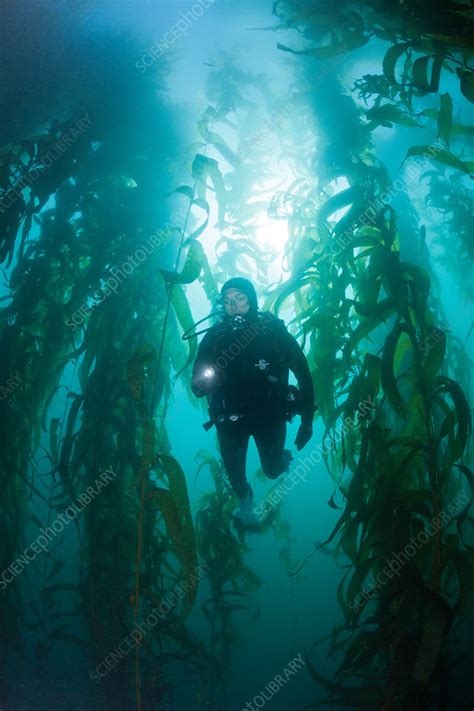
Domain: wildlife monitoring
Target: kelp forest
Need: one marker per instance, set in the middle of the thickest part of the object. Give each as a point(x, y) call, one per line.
point(336, 172)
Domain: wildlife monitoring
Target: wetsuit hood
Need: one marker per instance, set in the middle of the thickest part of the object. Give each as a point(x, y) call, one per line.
point(247, 288)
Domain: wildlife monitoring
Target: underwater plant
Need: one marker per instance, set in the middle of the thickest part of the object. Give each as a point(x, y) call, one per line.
point(98, 263)
point(374, 333)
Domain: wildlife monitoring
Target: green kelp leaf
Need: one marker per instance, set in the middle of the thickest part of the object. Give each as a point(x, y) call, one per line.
point(420, 75)
point(202, 168)
point(445, 117)
point(461, 130)
point(207, 280)
point(285, 290)
point(199, 166)
point(361, 697)
point(319, 679)
point(204, 205)
point(465, 512)
point(356, 583)
point(342, 199)
point(416, 501)
point(183, 313)
point(363, 241)
point(144, 356)
point(322, 317)
point(191, 269)
point(389, 383)
point(433, 345)
point(373, 369)
point(59, 564)
point(467, 83)
point(66, 448)
point(174, 506)
point(414, 453)
point(177, 348)
point(402, 441)
point(220, 145)
point(251, 580)
point(148, 451)
point(368, 284)
point(98, 323)
point(419, 283)
point(352, 40)
point(348, 540)
point(356, 649)
point(53, 439)
point(345, 224)
point(463, 561)
point(36, 520)
point(354, 397)
point(207, 460)
point(436, 73)
point(431, 113)
point(385, 34)
point(432, 638)
point(67, 637)
point(439, 155)
point(386, 115)
point(374, 317)
point(183, 190)
point(448, 427)
point(325, 388)
point(463, 412)
point(394, 282)
point(390, 60)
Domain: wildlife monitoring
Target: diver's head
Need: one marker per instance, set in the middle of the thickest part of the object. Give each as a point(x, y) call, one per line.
point(239, 297)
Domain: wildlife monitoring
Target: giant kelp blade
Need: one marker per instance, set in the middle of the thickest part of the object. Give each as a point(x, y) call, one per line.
point(444, 384)
point(191, 269)
point(463, 561)
point(64, 468)
point(204, 205)
point(389, 380)
point(183, 313)
point(391, 58)
point(175, 508)
point(441, 156)
point(467, 83)
point(203, 168)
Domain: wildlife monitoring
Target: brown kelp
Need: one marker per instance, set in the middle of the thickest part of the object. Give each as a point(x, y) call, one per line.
point(374, 333)
point(390, 378)
point(79, 313)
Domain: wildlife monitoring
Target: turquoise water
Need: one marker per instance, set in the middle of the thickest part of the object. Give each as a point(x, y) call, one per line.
point(89, 360)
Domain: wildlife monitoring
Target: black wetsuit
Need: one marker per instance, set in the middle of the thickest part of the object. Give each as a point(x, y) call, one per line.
point(242, 366)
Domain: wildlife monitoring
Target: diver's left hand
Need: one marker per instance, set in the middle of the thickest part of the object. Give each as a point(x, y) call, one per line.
point(304, 434)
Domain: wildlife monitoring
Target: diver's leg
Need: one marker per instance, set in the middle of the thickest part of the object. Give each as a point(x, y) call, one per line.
point(233, 444)
point(270, 435)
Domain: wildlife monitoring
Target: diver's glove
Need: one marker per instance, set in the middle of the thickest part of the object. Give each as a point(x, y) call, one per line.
point(304, 434)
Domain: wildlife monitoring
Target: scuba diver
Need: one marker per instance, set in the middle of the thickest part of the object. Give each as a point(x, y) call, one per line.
point(242, 367)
